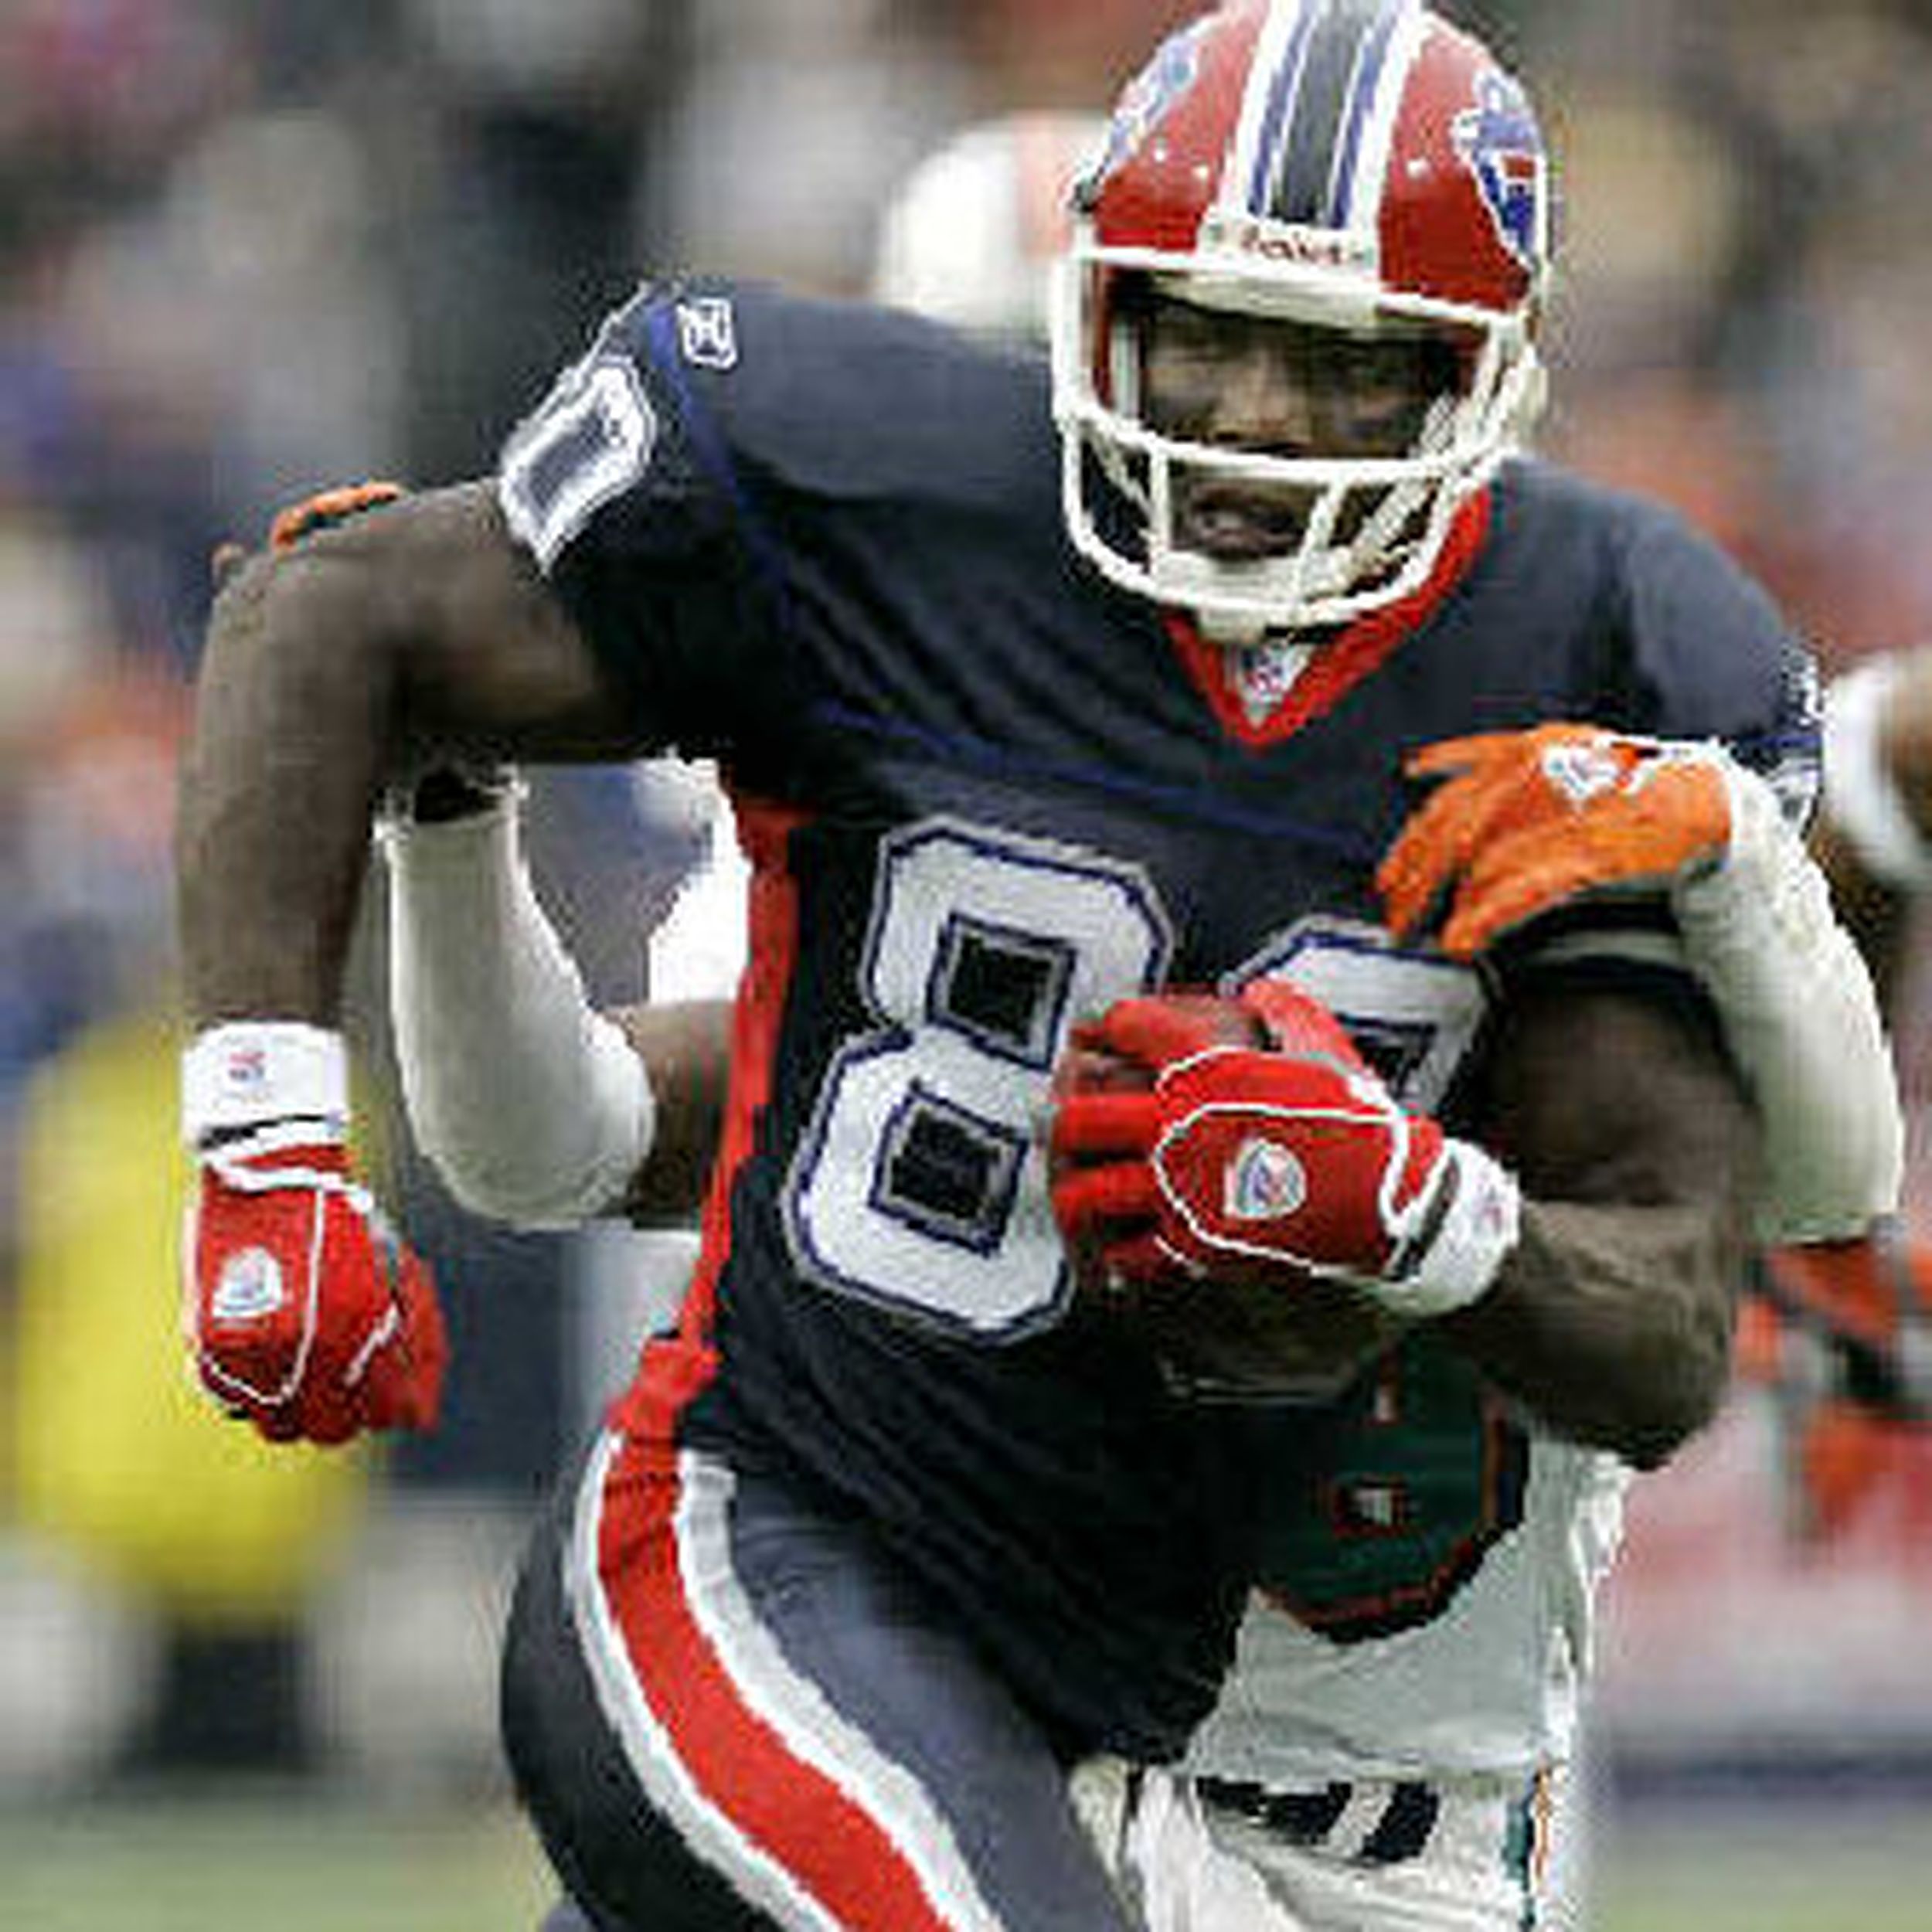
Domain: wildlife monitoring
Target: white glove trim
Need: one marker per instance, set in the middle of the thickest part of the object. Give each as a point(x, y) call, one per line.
point(1481, 1220)
point(535, 1109)
point(1480, 1226)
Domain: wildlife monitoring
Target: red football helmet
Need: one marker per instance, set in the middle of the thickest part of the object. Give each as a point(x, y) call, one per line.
point(1356, 168)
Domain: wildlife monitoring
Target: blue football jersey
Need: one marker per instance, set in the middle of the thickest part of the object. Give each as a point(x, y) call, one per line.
point(986, 794)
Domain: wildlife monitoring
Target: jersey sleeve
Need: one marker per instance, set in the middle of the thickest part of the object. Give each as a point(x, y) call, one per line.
point(1701, 651)
point(622, 486)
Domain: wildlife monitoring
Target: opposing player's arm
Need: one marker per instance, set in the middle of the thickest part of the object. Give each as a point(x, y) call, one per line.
point(534, 1108)
point(1611, 1318)
point(420, 627)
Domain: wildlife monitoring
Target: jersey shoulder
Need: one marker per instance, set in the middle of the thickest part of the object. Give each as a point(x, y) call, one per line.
point(1691, 642)
point(840, 399)
point(732, 476)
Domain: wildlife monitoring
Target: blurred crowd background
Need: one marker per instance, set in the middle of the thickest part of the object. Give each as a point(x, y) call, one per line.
point(246, 251)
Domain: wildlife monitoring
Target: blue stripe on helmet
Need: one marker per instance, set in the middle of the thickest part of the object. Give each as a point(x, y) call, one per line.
point(1368, 80)
point(1286, 82)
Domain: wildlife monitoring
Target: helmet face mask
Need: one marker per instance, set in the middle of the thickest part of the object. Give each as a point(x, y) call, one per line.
point(1373, 299)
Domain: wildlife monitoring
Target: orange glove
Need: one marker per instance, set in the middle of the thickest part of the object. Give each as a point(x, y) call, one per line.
point(1840, 1331)
point(1525, 822)
point(327, 508)
point(295, 521)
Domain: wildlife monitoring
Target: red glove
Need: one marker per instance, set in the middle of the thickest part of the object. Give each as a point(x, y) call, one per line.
point(1292, 1158)
point(306, 1314)
point(1526, 821)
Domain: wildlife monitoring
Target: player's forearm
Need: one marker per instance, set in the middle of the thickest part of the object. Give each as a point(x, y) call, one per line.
point(1611, 1324)
point(1611, 1318)
point(535, 1109)
point(421, 626)
point(292, 721)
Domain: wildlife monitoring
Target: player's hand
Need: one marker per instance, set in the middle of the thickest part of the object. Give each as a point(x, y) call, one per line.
point(1842, 1331)
point(326, 509)
point(1289, 1158)
point(305, 1313)
point(308, 1314)
point(294, 520)
point(1524, 821)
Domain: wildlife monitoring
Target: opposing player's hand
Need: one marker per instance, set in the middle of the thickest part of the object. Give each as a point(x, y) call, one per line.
point(306, 1313)
point(295, 521)
point(326, 509)
point(1289, 1158)
point(1842, 1331)
point(1525, 821)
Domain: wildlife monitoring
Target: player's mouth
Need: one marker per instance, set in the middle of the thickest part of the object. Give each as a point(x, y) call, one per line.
point(1237, 524)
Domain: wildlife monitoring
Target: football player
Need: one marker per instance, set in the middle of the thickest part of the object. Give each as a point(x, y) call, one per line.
point(904, 1518)
point(968, 239)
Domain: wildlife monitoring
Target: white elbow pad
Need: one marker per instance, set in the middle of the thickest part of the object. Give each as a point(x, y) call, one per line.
point(1802, 1020)
point(534, 1108)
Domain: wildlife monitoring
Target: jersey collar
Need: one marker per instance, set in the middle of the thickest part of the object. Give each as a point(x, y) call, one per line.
point(1264, 693)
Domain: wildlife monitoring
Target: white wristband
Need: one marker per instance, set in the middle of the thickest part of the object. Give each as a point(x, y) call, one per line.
point(245, 1074)
point(1479, 1225)
point(1862, 799)
point(535, 1108)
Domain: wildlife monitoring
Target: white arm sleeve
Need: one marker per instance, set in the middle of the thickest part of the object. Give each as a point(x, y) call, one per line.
point(535, 1109)
point(1802, 1020)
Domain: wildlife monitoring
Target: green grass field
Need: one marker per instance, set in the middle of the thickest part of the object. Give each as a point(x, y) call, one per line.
point(272, 1861)
point(291, 1861)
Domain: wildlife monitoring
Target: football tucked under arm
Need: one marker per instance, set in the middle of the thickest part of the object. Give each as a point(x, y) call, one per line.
point(1592, 1278)
point(1241, 1187)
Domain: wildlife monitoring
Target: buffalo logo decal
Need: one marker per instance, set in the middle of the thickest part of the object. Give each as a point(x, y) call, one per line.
point(1173, 71)
point(1498, 141)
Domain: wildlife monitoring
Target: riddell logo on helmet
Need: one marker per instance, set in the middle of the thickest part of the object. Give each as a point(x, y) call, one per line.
point(1277, 241)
